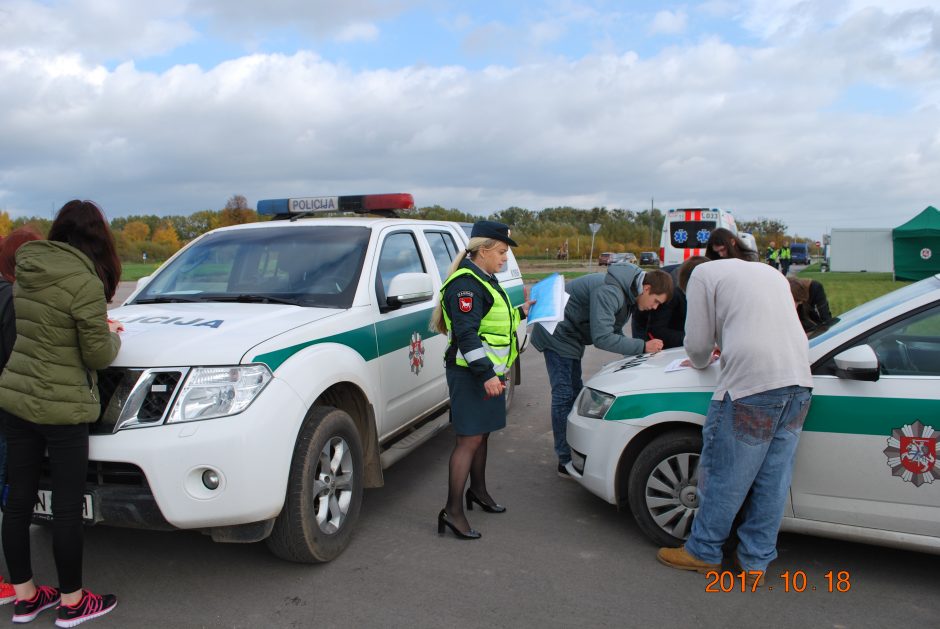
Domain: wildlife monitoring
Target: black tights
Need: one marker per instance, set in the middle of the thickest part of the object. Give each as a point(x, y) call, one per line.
point(68, 459)
point(467, 459)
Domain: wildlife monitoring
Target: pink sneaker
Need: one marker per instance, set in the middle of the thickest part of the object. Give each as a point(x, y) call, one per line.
point(26, 611)
point(90, 606)
point(7, 594)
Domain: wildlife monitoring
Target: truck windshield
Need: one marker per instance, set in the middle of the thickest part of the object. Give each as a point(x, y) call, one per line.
point(690, 234)
point(316, 266)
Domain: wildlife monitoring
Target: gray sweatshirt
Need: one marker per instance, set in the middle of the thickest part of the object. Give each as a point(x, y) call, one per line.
point(746, 309)
point(598, 308)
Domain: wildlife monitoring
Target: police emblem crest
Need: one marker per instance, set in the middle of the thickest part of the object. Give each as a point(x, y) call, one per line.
point(416, 353)
point(912, 453)
point(465, 303)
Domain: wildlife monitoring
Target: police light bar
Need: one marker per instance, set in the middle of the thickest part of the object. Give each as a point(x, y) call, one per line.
point(360, 204)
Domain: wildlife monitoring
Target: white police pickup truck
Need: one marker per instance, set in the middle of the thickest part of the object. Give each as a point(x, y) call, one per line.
point(270, 371)
point(866, 467)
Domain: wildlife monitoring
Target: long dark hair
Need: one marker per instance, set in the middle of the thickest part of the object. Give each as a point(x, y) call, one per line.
point(82, 225)
point(725, 237)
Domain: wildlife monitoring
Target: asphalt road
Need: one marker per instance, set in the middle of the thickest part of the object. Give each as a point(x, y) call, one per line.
point(559, 557)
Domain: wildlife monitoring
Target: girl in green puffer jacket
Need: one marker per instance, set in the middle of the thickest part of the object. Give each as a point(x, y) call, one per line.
point(49, 392)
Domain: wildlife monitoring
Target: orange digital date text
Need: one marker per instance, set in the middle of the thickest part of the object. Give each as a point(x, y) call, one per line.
point(790, 581)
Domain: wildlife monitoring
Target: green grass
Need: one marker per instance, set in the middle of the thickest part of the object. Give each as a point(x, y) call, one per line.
point(848, 290)
point(529, 278)
point(133, 271)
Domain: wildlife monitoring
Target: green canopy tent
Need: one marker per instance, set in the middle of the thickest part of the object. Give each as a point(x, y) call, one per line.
point(917, 246)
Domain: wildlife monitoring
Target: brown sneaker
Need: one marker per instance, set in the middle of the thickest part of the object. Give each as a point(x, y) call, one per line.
point(681, 559)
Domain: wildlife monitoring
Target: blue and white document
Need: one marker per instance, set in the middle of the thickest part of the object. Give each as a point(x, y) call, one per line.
point(550, 299)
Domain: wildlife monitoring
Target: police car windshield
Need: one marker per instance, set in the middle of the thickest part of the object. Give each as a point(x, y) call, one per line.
point(304, 265)
point(873, 308)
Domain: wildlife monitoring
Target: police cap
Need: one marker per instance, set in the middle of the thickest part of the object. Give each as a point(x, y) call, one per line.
point(494, 230)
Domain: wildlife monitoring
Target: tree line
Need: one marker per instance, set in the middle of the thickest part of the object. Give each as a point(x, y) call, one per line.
point(541, 233)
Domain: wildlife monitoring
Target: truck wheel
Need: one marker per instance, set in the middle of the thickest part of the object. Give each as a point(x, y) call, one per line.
point(324, 491)
point(662, 487)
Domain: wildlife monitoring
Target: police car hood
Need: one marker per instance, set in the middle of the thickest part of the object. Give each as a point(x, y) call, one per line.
point(168, 335)
point(647, 372)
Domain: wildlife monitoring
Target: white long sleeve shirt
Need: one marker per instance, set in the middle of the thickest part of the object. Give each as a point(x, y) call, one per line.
point(747, 310)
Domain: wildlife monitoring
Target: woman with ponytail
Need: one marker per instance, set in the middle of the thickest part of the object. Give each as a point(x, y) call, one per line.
point(480, 322)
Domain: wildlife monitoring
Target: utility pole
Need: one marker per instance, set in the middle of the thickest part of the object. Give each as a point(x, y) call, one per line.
point(651, 222)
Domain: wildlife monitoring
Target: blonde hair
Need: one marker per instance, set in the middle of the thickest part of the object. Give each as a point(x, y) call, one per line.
point(473, 248)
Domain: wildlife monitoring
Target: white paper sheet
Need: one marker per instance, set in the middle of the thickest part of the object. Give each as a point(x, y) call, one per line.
point(550, 299)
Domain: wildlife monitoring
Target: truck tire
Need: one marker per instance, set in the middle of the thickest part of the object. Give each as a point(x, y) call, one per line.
point(662, 487)
point(324, 490)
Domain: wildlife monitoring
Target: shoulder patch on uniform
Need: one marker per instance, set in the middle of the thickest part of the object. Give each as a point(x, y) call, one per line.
point(465, 293)
point(465, 302)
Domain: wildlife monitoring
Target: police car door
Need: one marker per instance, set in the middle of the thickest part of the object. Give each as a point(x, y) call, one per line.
point(410, 355)
point(867, 455)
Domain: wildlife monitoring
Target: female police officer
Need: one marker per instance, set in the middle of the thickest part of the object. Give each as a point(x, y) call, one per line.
point(476, 314)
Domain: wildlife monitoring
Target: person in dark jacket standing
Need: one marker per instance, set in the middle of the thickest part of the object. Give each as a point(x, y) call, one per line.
point(8, 249)
point(480, 322)
point(785, 258)
point(597, 309)
point(49, 390)
point(667, 322)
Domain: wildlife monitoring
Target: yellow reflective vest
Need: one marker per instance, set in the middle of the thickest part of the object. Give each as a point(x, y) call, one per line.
point(497, 327)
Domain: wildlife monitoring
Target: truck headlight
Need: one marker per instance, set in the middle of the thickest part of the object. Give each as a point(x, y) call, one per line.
point(594, 403)
point(218, 391)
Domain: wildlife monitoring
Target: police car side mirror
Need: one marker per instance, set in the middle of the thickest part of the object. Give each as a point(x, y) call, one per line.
point(408, 288)
point(858, 363)
point(143, 281)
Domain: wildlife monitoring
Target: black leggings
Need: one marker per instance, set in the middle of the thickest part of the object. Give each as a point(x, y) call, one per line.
point(68, 460)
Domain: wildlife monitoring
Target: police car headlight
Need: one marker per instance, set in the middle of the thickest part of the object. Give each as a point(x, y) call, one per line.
point(218, 391)
point(594, 403)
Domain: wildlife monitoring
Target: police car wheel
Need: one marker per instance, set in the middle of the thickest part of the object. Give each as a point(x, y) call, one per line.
point(324, 491)
point(662, 487)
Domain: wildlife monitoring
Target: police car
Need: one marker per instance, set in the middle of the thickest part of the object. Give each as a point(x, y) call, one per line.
point(866, 468)
point(270, 371)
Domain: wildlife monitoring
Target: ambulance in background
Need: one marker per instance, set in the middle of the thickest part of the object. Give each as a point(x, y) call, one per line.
point(686, 231)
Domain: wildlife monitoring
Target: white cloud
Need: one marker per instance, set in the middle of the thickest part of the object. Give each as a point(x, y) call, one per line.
point(744, 128)
point(98, 30)
point(358, 31)
point(669, 23)
point(321, 18)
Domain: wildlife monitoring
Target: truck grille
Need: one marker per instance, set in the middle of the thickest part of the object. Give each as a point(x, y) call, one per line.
point(135, 397)
point(102, 474)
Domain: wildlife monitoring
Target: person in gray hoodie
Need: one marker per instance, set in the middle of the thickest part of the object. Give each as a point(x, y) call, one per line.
point(599, 306)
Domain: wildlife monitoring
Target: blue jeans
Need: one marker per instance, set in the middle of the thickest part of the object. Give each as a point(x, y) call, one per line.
point(748, 445)
point(564, 375)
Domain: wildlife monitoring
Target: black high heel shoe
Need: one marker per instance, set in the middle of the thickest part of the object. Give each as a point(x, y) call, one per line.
point(443, 520)
point(493, 508)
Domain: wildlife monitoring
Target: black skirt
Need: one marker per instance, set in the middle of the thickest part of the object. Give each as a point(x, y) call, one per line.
point(469, 412)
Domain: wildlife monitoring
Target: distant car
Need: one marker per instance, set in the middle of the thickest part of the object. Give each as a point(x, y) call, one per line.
point(604, 258)
point(623, 258)
point(866, 466)
point(649, 258)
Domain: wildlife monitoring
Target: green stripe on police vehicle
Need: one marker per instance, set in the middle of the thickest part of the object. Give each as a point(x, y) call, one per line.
point(372, 341)
point(828, 413)
point(369, 341)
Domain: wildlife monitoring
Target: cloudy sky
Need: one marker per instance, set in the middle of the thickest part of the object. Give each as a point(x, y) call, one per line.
point(818, 113)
